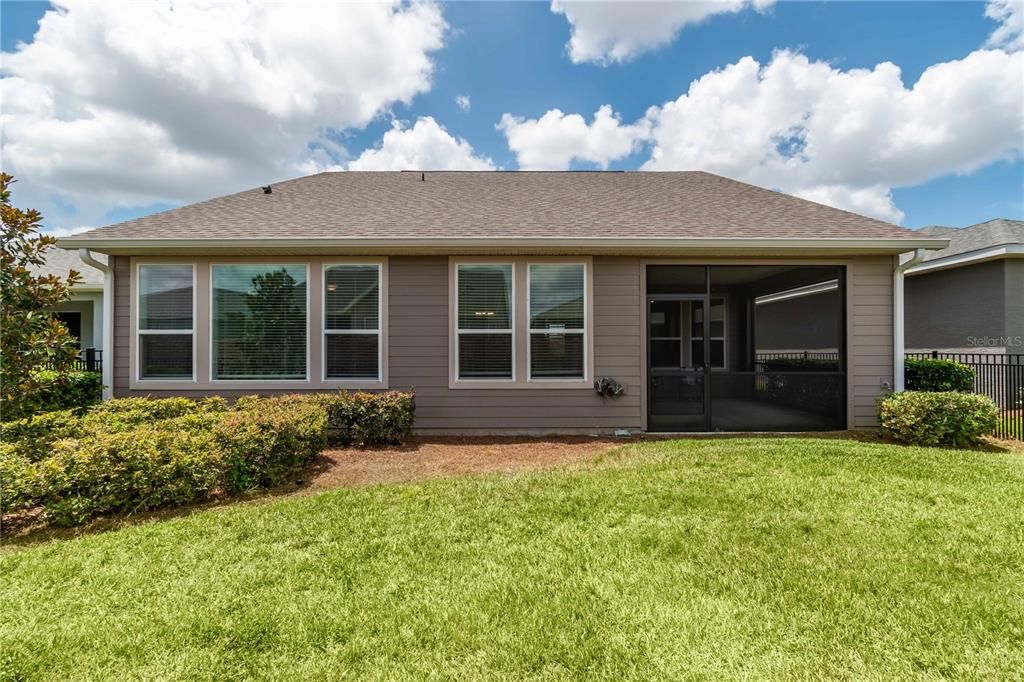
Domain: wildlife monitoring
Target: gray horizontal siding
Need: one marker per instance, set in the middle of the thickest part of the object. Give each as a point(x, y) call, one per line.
point(418, 356)
point(418, 351)
point(870, 335)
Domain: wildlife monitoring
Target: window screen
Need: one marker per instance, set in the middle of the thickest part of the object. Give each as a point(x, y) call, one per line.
point(352, 322)
point(165, 321)
point(259, 322)
point(484, 326)
point(557, 321)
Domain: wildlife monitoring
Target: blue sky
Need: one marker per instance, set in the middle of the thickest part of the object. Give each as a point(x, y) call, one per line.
point(512, 58)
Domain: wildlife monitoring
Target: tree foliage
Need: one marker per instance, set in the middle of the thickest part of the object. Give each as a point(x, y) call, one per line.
point(31, 338)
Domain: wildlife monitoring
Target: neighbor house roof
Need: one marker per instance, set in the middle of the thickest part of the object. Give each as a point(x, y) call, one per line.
point(998, 238)
point(380, 208)
point(59, 262)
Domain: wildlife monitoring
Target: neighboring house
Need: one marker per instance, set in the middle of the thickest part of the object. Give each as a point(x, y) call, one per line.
point(82, 314)
point(500, 297)
point(969, 297)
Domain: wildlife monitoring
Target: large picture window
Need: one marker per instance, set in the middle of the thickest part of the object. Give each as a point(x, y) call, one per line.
point(259, 322)
point(165, 321)
point(484, 321)
point(352, 322)
point(557, 321)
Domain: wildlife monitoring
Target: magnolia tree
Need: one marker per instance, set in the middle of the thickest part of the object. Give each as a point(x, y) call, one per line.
point(31, 338)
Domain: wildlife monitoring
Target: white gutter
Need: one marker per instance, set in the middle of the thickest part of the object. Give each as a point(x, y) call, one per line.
point(898, 329)
point(969, 257)
point(108, 320)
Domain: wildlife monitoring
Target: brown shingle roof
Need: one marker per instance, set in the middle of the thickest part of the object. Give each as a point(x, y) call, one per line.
point(469, 205)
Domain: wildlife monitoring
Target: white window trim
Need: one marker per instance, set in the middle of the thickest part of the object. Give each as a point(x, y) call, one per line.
point(530, 331)
point(520, 325)
point(245, 383)
point(136, 332)
point(361, 382)
point(482, 381)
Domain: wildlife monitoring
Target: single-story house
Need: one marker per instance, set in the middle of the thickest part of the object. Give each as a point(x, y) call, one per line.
point(503, 297)
point(82, 313)
point(969, 297)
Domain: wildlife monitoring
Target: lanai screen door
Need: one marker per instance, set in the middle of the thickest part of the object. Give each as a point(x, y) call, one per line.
point(746, 348)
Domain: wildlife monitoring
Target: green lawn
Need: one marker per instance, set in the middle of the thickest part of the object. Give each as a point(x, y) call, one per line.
point(705, 559)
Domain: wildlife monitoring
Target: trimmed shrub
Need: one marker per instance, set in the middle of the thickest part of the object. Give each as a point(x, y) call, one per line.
point(939, 418)
point(60, 391)
point(933, 375)
point(369, 419)
point(148, 467)
point(137, 454)
point(19, 484)
point(35, 435)
point(265, 439)
point(132, 411)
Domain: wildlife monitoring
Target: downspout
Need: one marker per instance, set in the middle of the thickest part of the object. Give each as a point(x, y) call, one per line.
point(898, 319)
point(108, 320)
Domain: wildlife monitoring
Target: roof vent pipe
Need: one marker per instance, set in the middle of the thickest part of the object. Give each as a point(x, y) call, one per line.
point(899, 380)
point(267, 189)
point(108, 319)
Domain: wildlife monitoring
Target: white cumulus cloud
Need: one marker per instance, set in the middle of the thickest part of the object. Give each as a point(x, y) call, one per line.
point(556, 139)
point(844, 137)
point(132, 103)
point(463, 102)
point(618, 31)
point(425, 146)
point(1010, 15)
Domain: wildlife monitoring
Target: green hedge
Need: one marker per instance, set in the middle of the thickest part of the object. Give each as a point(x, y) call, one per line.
point(136, 454)
point(934, 375)
point(263, 439)
point(369, 419)
point(60, 391)
point(938, 418)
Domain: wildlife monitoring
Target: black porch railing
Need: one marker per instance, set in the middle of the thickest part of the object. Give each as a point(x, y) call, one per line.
point(1000, 376)
point(797, 355)
point(88, 360)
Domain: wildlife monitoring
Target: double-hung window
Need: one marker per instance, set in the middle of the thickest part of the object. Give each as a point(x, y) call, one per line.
point(165, 311)
point(557, 333)
point(352, 322)
point(259, 322)
point(484, 321)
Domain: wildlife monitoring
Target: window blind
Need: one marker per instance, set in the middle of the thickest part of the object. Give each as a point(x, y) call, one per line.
point(484, 326)
point(259, 322)
point(352, 322)
point(165, 329)
point(557, 321)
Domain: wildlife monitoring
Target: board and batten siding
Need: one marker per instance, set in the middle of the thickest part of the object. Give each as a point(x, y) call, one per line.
point(418, 351)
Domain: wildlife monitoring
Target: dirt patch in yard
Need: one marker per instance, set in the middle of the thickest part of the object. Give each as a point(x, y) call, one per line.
point(440, 457)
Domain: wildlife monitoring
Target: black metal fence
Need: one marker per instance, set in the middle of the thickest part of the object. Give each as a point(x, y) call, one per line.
point(1000, 376)
point(88, 360)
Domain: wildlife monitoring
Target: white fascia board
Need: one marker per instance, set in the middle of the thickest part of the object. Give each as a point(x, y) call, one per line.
point(888, 245)
point(968, 258)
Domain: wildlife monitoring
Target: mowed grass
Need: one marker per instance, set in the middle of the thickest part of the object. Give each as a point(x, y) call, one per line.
point(795, 558)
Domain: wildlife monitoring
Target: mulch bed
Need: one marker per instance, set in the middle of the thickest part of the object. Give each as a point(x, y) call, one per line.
point(438, 457)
